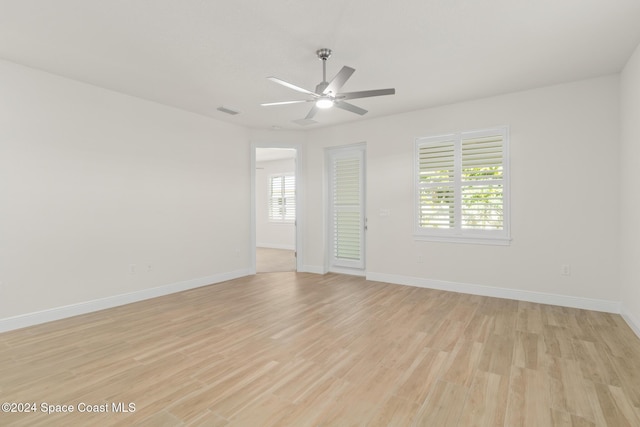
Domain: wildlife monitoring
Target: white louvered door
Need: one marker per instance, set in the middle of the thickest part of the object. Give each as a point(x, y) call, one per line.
point(346, 208)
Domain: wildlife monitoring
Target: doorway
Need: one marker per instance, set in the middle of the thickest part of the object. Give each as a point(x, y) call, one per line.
point(275, 202)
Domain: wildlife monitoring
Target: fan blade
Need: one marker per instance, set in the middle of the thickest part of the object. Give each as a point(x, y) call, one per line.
point(267, 104)
point(311, 112)
point(350, 107)
point(339, 80)
point(366, 93)
point(291, 86)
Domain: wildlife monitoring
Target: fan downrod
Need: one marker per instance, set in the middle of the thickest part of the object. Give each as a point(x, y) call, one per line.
point(323, 54)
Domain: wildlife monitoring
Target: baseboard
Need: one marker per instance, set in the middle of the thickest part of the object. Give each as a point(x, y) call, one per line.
point(348, 271)
point(57, 313)
point(490, 291)
point(276, 246)
point(316, 269)
point(30, 319)
point(631, 320)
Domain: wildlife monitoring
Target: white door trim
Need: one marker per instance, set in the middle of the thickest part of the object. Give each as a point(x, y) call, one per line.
point(300, 216)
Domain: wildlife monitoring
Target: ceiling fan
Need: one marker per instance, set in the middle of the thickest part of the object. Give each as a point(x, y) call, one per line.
point(326, 94)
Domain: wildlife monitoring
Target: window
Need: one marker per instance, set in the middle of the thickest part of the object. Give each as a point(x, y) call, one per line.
point(462, 183)
point(282, 198)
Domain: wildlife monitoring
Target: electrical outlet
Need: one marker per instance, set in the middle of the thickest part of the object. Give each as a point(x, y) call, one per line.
point(132, 269)
point(149, 268)
point(420, 259)
point(565, 270)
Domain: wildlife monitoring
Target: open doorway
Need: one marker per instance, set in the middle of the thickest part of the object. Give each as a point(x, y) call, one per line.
point(275, 209)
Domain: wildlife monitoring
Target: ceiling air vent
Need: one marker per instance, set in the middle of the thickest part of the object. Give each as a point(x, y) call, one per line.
point(228, 110)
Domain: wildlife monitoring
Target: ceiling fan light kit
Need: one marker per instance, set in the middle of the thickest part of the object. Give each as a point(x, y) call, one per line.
point(324, 102)
point(326, 93)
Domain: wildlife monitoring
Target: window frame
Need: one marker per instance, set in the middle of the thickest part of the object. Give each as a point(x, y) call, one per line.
point(457, 234)
point(283, 219)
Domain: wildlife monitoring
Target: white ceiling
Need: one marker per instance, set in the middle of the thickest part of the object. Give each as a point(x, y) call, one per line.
point(198, 55)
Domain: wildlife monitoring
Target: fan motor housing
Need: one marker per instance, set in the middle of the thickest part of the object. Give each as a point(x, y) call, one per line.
point(321, 87)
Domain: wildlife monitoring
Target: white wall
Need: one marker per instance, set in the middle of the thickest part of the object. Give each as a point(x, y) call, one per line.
point(93, 181)
point(278, 235)
point(630, 190)
point(564, 187)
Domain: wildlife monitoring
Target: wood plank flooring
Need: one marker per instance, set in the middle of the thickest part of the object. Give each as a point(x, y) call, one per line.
point(288, 349)
point(269, 260)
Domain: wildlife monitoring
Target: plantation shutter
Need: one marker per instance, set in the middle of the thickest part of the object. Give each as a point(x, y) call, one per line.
point(482, 186)
point(462, 187)
point(436, 176)
point(289, 191)
point(347, 228)
point(274, 198)
point(282, 198)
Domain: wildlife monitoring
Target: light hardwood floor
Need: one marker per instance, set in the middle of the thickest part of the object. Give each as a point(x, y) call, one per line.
point(287, 349)
point(269, 260)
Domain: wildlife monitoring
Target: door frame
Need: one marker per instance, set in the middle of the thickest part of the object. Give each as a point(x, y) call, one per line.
point(299, 201)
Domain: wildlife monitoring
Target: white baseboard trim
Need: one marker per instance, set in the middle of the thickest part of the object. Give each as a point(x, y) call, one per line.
point(348, 271)
point(316, 269)
point(631, 320)
point(490, 291)
point(30, 319)
point(276, 246)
